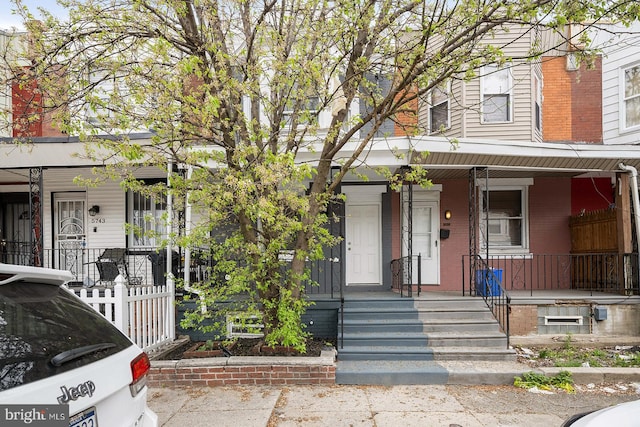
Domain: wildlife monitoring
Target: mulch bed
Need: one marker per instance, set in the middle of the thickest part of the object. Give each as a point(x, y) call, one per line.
point(250, 347)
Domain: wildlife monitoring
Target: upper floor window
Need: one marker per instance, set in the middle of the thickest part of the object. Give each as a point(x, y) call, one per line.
point(146, 220)
point(306, 111)
point(102, 87)
point(631, 97)
point(504, 217)
point(439, 108)
point(496, 92)
point(537, 100)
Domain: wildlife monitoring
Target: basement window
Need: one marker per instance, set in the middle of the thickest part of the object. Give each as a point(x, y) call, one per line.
point(563, 320)
point(243, 325)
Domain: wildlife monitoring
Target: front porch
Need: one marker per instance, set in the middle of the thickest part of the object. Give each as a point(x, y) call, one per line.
point(99, 267)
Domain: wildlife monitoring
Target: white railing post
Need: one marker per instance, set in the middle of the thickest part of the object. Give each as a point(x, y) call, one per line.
point(169, 307)
point(145, 314)
point(121, 304)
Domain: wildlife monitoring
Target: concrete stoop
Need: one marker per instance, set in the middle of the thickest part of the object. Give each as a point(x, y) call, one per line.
point(405, 341)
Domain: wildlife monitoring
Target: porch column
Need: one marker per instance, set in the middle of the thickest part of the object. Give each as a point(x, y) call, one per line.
point(624, 234)
point(35, 214)
point(623, 213)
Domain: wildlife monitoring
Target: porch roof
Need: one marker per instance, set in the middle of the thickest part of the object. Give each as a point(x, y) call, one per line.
point(448, 159)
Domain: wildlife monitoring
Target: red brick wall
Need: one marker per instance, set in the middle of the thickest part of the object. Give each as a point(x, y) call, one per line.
point(572, 102)
point(549, 211)
point(406, 121)
point(454, 197)
point(396, 233)
point(26, 109)
point(556, 104)
point(586, 112)
point(29, 118)
point(171, 375)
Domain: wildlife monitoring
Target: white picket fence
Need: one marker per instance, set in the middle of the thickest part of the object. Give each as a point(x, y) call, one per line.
point(145, 314)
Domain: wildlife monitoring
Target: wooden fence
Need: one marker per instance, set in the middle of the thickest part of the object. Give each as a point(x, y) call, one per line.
point(594, 232)
point(596, 261)
point(144, 313)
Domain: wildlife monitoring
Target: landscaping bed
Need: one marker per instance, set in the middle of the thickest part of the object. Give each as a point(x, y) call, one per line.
point(244, 347)
point(570, 355)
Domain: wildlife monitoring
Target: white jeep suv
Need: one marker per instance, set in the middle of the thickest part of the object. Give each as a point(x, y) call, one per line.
point(61, 362)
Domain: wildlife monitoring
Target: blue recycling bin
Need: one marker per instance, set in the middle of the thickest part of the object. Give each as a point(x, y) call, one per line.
point(489, 284)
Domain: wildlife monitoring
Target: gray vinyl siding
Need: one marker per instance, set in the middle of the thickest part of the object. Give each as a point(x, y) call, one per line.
point(465, 103)
point(387, 128)
point(520, 126)
point(321, 320)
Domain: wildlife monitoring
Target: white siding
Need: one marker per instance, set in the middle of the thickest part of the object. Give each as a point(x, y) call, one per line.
point(619, 52)
point(109, 196)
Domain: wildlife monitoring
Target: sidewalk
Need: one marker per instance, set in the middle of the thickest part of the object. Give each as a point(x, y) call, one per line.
point(371, 406)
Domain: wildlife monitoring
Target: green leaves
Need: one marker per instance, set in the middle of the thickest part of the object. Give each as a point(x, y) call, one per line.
point(562, 381)
point(257, 110)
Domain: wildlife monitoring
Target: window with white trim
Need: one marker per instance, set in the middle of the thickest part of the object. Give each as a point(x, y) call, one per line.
point(146, 220)
point(306, 110)
point(439, 108)
point(631, 97)
point(96, 110)
point(504, 218)
point(537, 100)
point(104, 84)
point(496, 87)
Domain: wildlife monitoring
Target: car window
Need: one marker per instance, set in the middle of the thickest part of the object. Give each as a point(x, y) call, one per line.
point(44, 331)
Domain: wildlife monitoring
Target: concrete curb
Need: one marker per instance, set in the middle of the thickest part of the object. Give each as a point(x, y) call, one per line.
point(459, 372)
point(492, 373)
point(597, 375)
point(326, 358)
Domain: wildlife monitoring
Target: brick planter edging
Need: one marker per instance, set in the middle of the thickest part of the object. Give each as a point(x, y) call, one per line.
point(244, 370)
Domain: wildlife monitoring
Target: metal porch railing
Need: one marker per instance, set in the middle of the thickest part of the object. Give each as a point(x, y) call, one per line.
point(487, 283)
point(403, 279)
point(99, 266)
point(596, 272)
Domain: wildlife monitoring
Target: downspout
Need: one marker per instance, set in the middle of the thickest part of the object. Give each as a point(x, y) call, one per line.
point(635, 199)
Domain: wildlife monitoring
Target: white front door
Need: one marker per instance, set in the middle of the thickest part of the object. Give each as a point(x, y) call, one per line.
point(425, 241)
point(70, 231)
point(363, 263)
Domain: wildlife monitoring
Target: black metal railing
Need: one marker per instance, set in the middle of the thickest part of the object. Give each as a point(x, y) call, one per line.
point(404, 278)
point(487, 283)
point(98, 266)
point(596, 272)
point(17, 253)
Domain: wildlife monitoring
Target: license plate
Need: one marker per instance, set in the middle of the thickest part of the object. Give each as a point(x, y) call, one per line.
point(86, 418)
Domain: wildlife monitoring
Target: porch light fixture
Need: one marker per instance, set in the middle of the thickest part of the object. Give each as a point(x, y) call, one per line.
point(94, 210)
point(447, 214)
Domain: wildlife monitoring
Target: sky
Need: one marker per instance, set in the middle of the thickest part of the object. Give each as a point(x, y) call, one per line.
point(9, 20)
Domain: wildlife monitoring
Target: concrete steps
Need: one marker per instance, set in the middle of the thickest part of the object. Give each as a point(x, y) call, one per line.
point(400, 341)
